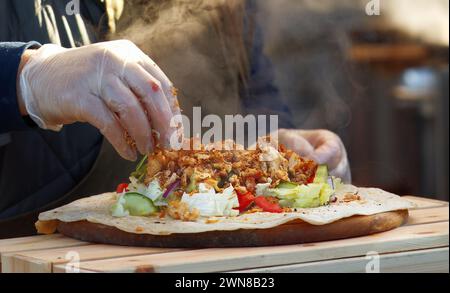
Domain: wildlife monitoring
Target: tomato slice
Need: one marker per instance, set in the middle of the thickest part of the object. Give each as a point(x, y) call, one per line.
point(122, 187)
point(245, 200)
point(240, 193)
point(311, 178)
point(313, 175)
point(267, 205)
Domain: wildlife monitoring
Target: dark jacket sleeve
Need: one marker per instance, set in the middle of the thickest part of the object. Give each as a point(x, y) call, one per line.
point(10, 55)
point(261, 96)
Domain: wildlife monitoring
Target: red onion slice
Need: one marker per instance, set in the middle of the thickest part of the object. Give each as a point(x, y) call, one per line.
point(171, 188)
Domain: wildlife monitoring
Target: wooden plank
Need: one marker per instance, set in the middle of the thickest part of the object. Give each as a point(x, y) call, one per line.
point(42, 261)
point(425, 213)
point(212, 260)
point(423, 203)
point(419, 261)
point(38, 261)
point(430, 215)
point(36, 242)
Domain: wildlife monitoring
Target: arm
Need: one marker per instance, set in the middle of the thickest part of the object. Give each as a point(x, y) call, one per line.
point(12, 58)
point(112, 85)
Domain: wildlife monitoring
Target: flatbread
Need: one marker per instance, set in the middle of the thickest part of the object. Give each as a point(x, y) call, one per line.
point(294, 232)
point(95, 210)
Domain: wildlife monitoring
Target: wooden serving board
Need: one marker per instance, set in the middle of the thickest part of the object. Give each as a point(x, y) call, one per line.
point(419, 246)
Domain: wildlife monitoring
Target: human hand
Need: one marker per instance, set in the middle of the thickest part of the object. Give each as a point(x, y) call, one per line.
point(323, 146)
point(113, 86)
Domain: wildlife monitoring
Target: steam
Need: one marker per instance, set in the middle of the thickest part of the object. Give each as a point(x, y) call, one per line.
point(308, 42)
point(190, 42)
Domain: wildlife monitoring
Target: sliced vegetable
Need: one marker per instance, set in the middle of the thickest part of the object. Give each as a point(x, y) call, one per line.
point(171, 188)
point(122, 187)
point(302, 196)
point(192, 186)
point(262, 188)
point(321, 174)
point(268, 205)
point(239, 193)
point(309, 196)
point(287, 185)
point(139, 205)
point(211, 204)
point(117, 210)
point(134, 204)
point(285, 203)
point(141, 169)
point(153, 191)
point(245, 200)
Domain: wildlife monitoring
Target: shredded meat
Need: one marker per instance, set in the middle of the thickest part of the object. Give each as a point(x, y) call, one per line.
point(348, 197)
point(241, 168)
point(180, 211)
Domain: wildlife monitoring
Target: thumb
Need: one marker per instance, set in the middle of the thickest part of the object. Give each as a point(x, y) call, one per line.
point(328, 153)
point(298, 144)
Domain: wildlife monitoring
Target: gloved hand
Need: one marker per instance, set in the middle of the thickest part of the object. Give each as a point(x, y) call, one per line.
point(323, 146)
point(113, 86)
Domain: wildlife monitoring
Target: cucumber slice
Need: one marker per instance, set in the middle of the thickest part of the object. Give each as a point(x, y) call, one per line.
point(138, 205)
point(321, 174)
point(287, 185)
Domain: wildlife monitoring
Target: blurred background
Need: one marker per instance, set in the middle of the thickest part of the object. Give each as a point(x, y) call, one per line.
point(379, 81)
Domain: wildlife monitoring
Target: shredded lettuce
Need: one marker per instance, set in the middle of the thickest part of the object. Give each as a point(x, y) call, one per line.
point(153, 190)
point(134, 204)
point(337, 183)
point(262, 188)
point(118, 210)
point(210, 204)
point(299, 196)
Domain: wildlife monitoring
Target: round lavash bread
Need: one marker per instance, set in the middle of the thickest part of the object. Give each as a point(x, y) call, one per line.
point(89, 219)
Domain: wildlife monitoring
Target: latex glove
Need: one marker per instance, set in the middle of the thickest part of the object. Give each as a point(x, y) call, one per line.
point(113, 86)
point(323, 146)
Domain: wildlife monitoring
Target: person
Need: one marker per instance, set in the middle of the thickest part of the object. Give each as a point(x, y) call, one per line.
point(56, 104)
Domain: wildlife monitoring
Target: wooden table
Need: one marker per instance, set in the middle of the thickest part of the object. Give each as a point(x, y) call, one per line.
point(419, 246)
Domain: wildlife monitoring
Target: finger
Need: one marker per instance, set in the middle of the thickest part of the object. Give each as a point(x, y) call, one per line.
point(167, 86)
point(342, 171)
point(169, 90)
point(328, 146)
point(99, 115)
point(314, 137)
point(329, 153)
point(296, 143)
point(130, 112)
point(148, 90)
